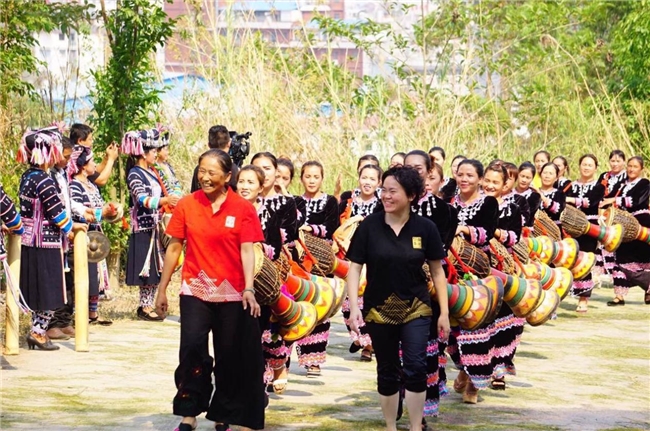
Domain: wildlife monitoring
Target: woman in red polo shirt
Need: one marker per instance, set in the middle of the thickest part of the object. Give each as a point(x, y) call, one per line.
point(218, 228)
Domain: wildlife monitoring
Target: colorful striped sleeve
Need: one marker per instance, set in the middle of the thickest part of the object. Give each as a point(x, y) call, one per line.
point(139, 192)
point(10, 217)
point(53, 207)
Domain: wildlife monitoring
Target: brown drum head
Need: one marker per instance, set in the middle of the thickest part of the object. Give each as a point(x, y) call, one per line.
point(98, 246)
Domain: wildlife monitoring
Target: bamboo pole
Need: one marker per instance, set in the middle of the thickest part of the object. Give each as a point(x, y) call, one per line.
point(12, 331)
point(81, 286)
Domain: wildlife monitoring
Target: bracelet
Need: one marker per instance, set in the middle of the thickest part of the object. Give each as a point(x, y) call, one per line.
point(250, 289)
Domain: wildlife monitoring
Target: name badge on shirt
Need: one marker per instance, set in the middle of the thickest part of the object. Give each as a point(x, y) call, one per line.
point(230, 221)
point(417, 242)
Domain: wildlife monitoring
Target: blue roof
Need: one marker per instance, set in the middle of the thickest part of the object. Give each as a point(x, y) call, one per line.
point(265, 6)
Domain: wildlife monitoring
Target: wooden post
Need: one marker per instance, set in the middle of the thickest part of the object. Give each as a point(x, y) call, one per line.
point(12, 331)
point(81, 286)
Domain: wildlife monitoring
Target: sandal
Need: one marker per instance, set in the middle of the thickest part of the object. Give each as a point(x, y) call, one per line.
point(279, 386)
point(615, 302)
point(280, 380)
point(354, 347)
point(582, 307)
point(150, 316)
point(498, 384)
point(646, 298)
point(366, 355)
point(96, 321)
point(313, 371)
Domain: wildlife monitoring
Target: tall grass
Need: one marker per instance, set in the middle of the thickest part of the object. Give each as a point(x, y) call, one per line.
point(276, 94)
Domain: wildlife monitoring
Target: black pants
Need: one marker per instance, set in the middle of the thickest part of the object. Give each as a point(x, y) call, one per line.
point(386, 341)
point(239, 397)
point(63, 316)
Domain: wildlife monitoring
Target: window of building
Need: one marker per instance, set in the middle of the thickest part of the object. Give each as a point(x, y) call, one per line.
point(337, 15)
point(61, 36)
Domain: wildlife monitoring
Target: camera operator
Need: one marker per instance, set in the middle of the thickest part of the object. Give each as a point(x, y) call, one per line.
point(219, 138)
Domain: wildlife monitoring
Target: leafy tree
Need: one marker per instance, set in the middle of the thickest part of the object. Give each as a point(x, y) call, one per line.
point(124, 97)
point(20, 23)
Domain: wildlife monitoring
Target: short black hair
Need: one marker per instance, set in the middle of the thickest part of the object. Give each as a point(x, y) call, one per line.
point(408, 178)
point(225, 162)
point(499, 167)
point(79, 132)
point(283, 161)
point(590, 156)
point(638, 159)
point(427, 158)
point(544, 152)
point(367, 157)
point(218, 137)
point(478, 166)
point(530, 167)
point(440, 150)
point(314, 163)
point(618, 153)
point(266, 155)
point(557, 170)
point(66, 143)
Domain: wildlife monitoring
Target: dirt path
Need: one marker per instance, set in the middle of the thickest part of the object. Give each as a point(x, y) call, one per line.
point(587, 372)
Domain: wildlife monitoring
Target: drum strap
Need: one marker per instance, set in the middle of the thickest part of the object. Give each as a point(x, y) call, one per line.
point(520, 265)
point(566, 188)
point(462, 264)
point(498, 256)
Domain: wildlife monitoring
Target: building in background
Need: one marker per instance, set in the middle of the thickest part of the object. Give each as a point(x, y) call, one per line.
point(281, 23)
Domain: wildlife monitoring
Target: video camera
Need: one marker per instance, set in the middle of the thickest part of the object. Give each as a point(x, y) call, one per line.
point(240, 147)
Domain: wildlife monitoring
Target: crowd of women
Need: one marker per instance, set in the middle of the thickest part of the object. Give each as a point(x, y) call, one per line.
point(409, 216)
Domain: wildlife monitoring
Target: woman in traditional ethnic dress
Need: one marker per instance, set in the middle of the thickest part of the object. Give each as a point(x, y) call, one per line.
point(394, 245)
point(553, 200)
point(563, 183)
point(586, 194)
point(45, 221)
point(144, 259)
point(478, 217)
point(524, 182)
point(320, 218)
point(506, 330)
point(611, 180)
point(616, 175)
point(279, 218)
point(430, 206)
point(362, 203)
point(80, 167)
point(632, 196)
point(367, 159)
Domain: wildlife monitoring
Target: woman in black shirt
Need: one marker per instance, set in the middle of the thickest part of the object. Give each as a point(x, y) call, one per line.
point(394, 245)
